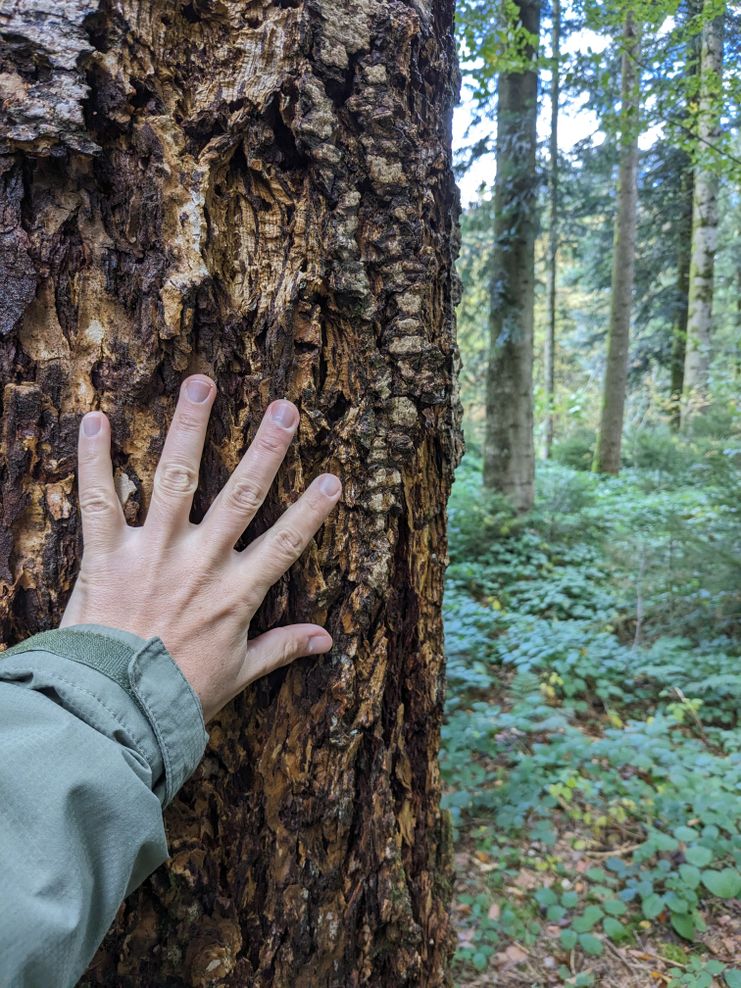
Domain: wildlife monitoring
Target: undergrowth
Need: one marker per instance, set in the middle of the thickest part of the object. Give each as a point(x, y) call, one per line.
point(591, 751)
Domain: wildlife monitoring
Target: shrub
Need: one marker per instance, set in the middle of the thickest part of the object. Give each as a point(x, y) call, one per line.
point(576, 449)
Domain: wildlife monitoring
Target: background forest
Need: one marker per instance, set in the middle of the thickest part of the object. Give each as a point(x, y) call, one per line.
point(591, 751)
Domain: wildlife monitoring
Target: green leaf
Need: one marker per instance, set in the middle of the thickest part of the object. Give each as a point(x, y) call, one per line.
point(480, 960)
point(663, 842)
point(614, 928)
point(569, 899)
point(615, 907)
point(555, 913)
point(584, 979)
point(568, 939)
point(545, 897)
point(733, 977)
point(596, 875)
point(676, 903)
point(698, 855)
point(684, 925)
point(652, 906)
point(591, 944)
point(689, 875)
point(726, 884)
point(585, 922)
point(685, 834)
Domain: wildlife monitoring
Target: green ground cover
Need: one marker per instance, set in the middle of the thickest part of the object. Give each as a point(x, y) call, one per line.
point(591, 752)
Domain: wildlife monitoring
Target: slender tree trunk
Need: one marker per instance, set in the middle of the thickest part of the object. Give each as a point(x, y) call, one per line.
point(550, 339)
point(508, 444)
point(704, 224)
point(607, 458)
point(262, 192)
point(679, 331)
point(684, 226)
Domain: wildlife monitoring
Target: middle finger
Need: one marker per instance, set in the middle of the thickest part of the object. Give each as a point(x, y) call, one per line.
point(176, 476)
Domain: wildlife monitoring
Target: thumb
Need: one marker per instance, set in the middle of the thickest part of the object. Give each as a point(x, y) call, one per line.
point(280, 646)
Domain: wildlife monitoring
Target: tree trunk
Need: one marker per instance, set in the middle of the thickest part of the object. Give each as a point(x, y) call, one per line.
point(508, 444)
point(607, 457)
point(704, 223)
point(684, 224)
point(679, 330)
point(550, 339)
point(262, 193)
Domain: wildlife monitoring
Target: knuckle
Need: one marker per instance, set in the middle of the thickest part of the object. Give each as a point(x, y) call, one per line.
point(177, 479)
point(287, 652)
point(288, 543)
point(96, 501)
point(251, 599)
point(244, 495)
point(315, 501)
point(269, 443)
point(189, 422)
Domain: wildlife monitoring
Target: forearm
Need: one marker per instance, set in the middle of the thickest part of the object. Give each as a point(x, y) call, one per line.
point(87, 765)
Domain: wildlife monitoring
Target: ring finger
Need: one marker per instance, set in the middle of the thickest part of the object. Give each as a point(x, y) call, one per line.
point(241, 496)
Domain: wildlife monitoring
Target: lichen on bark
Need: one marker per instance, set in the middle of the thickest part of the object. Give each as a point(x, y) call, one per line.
point(262, 193)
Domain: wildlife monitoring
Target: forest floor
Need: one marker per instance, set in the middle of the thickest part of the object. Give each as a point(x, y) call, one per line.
point(591, 752)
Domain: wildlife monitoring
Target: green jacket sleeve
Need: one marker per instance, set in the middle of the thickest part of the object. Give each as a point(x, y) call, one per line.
point(98, 731)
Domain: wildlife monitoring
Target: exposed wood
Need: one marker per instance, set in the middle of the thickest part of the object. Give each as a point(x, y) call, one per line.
point(262, 193)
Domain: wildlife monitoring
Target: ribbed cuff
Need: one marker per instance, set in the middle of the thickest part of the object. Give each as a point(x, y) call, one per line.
point(145, 670)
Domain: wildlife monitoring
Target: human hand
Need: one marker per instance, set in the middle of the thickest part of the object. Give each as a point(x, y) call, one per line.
point(186, 583)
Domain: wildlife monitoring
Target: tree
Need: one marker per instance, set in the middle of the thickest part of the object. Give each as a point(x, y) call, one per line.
point(684, 224)
point(553, 193)
point(607, 456)
point(679, 330)
point(704, 215)
point(264, 194)
point(508, 445)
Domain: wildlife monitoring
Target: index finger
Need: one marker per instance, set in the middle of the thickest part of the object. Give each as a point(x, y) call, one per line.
point(103, 520)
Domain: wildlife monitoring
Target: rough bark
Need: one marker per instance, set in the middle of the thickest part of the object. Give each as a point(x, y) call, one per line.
point(704, 224)
point(261, 192)
point(607, 456)
point(509, 461)
point(553, 216)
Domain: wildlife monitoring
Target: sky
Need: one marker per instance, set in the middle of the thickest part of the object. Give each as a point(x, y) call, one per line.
point(575, 122)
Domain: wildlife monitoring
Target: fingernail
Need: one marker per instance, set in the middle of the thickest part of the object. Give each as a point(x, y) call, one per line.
point(329, 485)
point(91, 424)
point(197, 391)
point(318, 643)
point(284, 414)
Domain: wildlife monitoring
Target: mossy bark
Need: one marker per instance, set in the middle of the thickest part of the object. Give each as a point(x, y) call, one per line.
point(261, 192)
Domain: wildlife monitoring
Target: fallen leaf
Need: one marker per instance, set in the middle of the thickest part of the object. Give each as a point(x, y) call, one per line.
point(509, 957)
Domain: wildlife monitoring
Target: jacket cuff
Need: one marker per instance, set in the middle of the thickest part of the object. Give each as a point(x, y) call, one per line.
point(145, 670)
